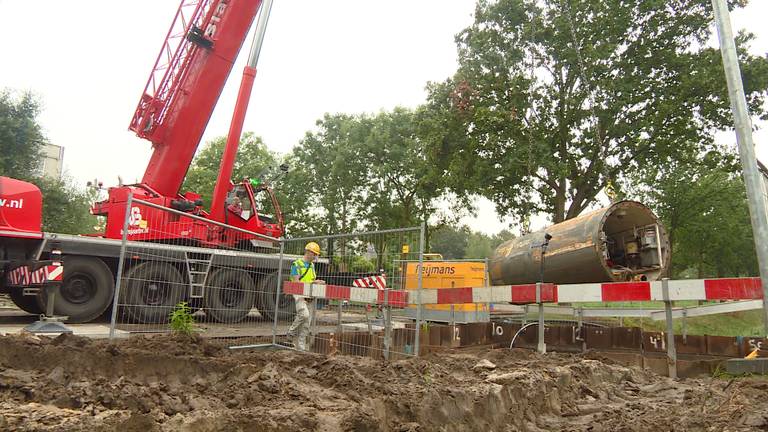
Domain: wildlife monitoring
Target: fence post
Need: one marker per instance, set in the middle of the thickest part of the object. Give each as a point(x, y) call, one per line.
point(339, 317)
point(541, 347)
point(685, 330)
point(387, 324)
point(671, 352)
point(277, 291)
point(418, 290)
point(486, 283)
point(580, 312)
point(312, 323)
point(120, 265)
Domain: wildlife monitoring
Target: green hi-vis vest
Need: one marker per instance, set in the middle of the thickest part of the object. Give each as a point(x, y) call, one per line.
point(307, 272)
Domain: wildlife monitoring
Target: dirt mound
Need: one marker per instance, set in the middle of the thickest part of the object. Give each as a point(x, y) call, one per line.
point(175, 383)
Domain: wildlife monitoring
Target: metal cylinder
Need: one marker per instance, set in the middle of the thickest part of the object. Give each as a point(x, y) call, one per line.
point(610, 244)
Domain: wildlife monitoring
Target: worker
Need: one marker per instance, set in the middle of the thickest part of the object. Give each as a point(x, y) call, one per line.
point(236, 206)
point(303, 270)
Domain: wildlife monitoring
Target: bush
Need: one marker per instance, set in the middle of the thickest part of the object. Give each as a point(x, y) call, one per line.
point(182, 321)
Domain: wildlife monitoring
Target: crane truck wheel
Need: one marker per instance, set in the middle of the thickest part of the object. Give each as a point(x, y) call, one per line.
point(25, 303)
point(86, 291)
point(151, 290)
point(285, 308)
point(229, 295)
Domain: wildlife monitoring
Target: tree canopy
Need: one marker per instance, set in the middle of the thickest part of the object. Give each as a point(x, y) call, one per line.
point(21, 137)
point(702, 203)
point(463, 243)
point(65, 205)
point(554, 99)
point(253, 159)
point(369, 172)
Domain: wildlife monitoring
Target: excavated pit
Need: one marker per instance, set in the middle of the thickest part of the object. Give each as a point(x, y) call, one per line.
point(177, 383)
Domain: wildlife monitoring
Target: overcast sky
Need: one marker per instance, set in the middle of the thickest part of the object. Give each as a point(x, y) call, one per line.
point(89, 61)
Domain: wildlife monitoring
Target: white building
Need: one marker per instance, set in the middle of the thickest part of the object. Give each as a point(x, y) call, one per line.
point(52, 162)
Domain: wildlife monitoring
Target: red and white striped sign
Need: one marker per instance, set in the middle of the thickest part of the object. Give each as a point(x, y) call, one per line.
point(379, 282)
point(21, 276)
point(693, 289)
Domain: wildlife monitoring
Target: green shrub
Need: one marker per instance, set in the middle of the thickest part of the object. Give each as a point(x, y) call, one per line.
point(182, 320)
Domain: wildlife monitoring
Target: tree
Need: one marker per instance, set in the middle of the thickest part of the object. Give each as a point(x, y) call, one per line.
point(479, 246)
point(367, 172)
point(253, 160)
point(404, 190)
point(328, 180)
point(702, 203)
point(557, 98)
point(451, 242)
point(501, 237)
point(462, 243)
point(66, 208)
point(21, 137)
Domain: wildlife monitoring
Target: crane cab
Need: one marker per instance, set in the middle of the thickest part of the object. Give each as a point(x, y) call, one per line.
point(252, 206)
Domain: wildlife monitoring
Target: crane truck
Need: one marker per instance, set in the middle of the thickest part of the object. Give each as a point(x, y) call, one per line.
point(183, 88)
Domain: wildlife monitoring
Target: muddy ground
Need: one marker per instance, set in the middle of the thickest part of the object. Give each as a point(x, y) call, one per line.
point(173, 383)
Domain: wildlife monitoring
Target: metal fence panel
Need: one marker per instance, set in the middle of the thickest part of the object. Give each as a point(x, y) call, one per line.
point(351, 326)
point(175, 267)
point(180, 272)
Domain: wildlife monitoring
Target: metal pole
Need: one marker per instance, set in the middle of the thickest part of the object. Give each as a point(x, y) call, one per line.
point(312, 323)
point(453, 308)
point(120, 265)
point(684, 329)
point(418, 289)
point(486, 283)
point(339, 317)
point(671, 352)
point(277, 291)
point(258, 37)
point(541, 347)
point(387, 324)
point(743, 126)
point(581, 329)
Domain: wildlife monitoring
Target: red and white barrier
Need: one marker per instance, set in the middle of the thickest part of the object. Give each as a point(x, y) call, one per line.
point(21, 276)
point(397, 298)
point(693, 289)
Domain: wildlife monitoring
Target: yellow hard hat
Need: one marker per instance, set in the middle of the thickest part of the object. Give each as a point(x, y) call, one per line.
point(313, 247)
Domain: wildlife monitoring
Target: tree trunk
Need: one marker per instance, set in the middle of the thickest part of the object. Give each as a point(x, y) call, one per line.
point(701, 265)
point(671, 237)
point(559, 209)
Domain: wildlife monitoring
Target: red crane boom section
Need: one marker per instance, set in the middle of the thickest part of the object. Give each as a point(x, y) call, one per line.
point(186, 81)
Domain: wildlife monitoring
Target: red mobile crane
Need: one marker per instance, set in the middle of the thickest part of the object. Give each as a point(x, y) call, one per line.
point(189, 74)
point(178, 100)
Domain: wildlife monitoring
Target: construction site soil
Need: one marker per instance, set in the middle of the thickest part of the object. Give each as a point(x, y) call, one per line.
point(177, 383)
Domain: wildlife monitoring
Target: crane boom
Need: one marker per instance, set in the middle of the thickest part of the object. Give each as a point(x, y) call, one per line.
point(186, 82)
point(238, 116)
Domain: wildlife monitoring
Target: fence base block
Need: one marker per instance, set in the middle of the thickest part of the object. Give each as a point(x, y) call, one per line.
point(747, 366)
